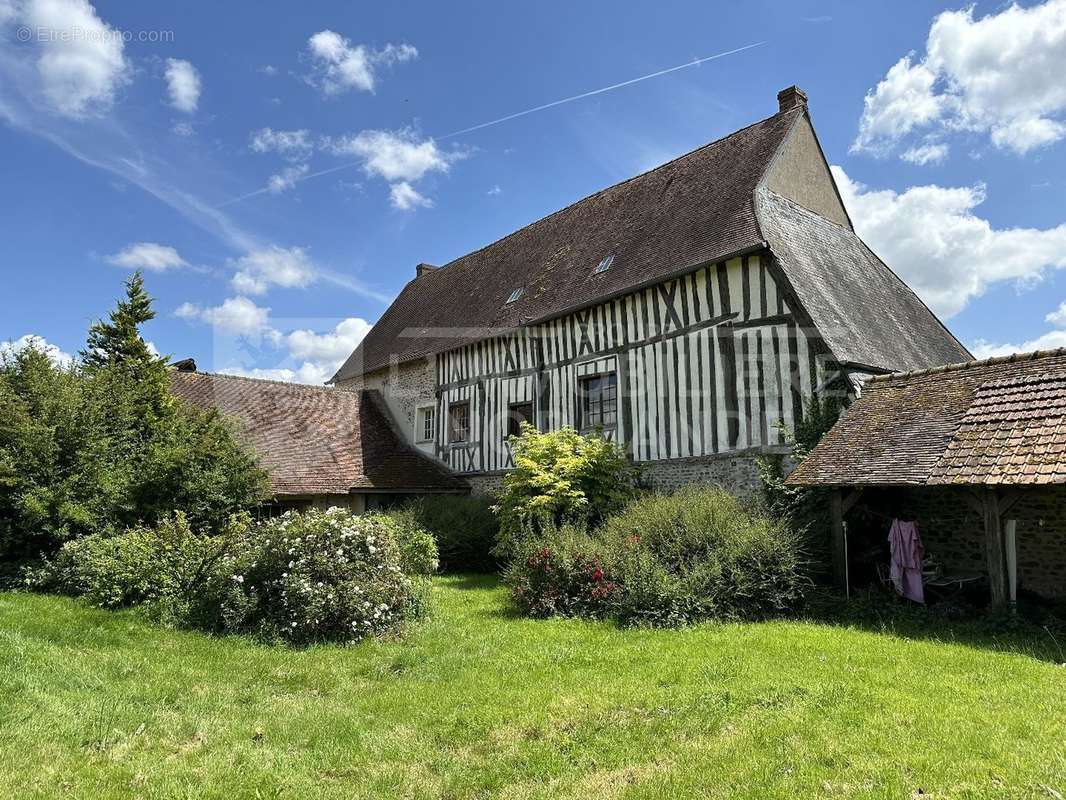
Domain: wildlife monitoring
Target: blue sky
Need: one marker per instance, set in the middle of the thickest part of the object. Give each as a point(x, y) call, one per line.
point(279, 169)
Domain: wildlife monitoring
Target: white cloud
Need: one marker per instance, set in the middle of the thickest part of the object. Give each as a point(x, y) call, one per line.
point(147, 255)
point(183, 129)
point(902, 101)
point(999, 75)
point(183, 84)
point(55, 355)
point(268, 70)
point(80, 62)
point(400, 157)
point(394, 155)
point(1058, 316)
point(236, 315)
point(1052, 340)
point(405, 197)
point(328, 348)
point(286, 179)
point(294, 145)
point(931, 236)
point(494, 190)
point(339, 66)
point(926, 154)
point(273, 266)
point(318, 355)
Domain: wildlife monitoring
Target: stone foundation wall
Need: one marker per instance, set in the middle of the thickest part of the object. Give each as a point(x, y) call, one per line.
point(489, 484)
point(736, 473)
point(954, 533)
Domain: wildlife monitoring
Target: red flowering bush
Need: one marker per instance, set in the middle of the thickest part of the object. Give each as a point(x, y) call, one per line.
point(560, 573)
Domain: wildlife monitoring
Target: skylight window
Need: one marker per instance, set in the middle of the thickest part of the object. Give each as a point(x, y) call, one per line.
point(604, 265)
point(516, 294)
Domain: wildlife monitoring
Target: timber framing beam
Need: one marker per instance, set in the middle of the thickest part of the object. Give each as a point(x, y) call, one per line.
point(841, 501)
point(992, 505)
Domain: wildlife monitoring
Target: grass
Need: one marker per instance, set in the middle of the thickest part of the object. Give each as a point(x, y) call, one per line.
point(477, 703)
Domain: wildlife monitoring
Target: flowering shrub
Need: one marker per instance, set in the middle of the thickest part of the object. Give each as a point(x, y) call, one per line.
point(301, 578)
point(319, 576)
point(560, 573)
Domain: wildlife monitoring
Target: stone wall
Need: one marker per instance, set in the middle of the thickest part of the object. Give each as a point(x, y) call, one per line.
point(406, 388)
point(954, 533)
point(489, 483)
point(737, 473)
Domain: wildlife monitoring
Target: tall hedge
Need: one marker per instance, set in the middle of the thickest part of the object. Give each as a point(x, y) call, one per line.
point(101, 444)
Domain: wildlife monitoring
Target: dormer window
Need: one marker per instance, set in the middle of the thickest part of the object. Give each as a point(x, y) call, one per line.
point(604, 265)
point(515, 295)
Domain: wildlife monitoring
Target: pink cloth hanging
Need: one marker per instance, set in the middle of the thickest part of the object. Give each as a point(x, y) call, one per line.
point(907, 555)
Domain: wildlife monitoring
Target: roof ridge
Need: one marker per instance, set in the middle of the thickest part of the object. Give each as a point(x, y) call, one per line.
point(613, 186)
point(293, 384)
point(1033, 355)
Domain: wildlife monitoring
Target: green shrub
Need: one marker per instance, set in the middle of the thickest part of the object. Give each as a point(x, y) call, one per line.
point(699, 555)
point(166, 568)
point(465, 528)
point(418, 549)
point(804, 510)
point(102, 445)
point(560, 477)
point(560, 573)
point(302, 578)
point(318, 576)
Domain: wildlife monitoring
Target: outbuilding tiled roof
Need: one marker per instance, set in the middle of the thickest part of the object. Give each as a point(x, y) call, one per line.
point(998, 421)
point(315, 440)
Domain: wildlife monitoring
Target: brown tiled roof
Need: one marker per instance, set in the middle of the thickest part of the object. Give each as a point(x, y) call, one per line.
point(314, 440)
point(998, 421)
point(687, 212)
point(693, 210)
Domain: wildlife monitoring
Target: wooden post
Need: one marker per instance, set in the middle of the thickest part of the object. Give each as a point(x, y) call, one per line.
point(836, 537)
point(994, 547)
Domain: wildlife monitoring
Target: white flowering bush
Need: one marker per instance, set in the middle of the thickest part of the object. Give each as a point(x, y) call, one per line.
point(319, 576)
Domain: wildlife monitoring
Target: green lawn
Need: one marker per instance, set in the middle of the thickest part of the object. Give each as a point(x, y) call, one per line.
point(476, 703)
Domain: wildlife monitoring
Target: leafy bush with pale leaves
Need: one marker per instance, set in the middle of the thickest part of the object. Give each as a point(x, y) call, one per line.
point(560, 477)
point(301, 578)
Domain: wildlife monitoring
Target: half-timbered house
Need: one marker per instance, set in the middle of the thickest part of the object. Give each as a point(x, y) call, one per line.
point(688, 313)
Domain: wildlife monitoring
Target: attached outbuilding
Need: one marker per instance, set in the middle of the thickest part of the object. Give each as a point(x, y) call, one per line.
point(975, 453)
point(322, 447)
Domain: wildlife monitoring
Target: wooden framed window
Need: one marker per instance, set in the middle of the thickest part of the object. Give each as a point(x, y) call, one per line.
point(599, 401)
point(427, 424)
point(517, 413)
point(459, 422)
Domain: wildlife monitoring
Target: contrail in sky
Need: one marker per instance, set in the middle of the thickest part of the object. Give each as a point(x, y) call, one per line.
point(693, 63)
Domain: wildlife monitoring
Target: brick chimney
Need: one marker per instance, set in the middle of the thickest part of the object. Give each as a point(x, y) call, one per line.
point(423, 268)
point(791, 98)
